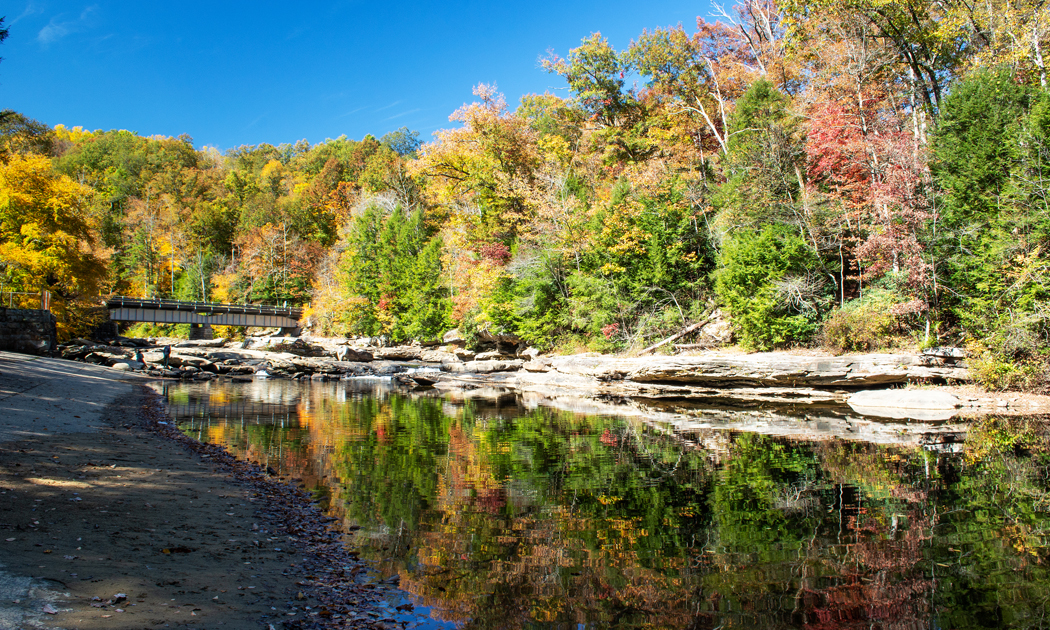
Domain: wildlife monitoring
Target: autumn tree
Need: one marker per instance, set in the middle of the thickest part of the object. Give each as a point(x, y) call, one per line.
point(483, 169)
point(990, 160)
point(48, 240)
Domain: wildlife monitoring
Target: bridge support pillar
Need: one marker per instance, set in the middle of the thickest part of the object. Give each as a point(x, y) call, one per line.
point(201, 331)
point(291, 332)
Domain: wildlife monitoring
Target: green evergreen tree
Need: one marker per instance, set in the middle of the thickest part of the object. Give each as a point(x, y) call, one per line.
point(757, 282)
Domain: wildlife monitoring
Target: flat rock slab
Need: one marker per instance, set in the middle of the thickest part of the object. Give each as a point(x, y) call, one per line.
point(900, 404)
point(905, 399)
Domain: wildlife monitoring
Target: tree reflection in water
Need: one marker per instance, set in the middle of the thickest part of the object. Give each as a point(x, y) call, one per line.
point(496, 516)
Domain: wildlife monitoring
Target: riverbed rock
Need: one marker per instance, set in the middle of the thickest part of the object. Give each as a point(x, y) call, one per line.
point(202, 343)
point(102, 357)
point(398, 353)
point(483, 367)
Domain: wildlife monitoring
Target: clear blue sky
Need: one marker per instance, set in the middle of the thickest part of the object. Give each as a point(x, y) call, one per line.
point(234, 73)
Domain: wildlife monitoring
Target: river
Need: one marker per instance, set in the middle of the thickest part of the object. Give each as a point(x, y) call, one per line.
point(499, 510)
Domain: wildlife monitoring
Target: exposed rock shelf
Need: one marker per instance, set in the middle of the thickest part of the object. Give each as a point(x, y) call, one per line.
point(767, 369)
point(710, 379)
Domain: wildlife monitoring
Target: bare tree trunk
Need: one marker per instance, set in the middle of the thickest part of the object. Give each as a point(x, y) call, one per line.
point(1038, 56)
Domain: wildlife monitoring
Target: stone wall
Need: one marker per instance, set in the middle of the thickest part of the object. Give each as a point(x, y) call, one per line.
point(27, 331)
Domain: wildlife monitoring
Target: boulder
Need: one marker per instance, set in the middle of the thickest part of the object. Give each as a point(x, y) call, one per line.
point(436, 356)
point(299, 347)
point(346, 353)
point(944, 356)
point(413, 381)
point(398, 353)
point(537, 365)
point(493, 355)
point(529, 353)
point(454, 338)
point(717, 332)
point(488, 336)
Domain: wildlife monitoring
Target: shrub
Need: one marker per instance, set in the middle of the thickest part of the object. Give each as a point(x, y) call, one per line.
point(878, 320)
point(767, 285)
point(1014, 353)
point(999, 373)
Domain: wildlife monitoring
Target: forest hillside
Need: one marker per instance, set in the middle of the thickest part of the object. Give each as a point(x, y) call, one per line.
point(853, 174)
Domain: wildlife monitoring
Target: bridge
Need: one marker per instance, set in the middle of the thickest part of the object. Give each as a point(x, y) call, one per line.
point(202, 315)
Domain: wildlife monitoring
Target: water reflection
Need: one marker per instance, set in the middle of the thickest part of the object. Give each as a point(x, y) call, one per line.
point(501, 515)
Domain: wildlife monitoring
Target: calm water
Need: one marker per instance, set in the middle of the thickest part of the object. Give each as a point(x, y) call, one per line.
point(495, 515)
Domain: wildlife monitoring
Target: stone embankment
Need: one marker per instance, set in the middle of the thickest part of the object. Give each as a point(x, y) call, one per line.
point(27, 331)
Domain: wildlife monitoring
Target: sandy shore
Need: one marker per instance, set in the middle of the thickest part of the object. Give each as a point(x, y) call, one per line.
point(109, 519)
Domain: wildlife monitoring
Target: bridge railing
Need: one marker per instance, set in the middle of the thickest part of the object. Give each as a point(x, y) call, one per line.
point(202, 307)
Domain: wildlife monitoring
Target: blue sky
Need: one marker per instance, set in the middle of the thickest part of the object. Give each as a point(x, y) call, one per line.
point(234, 73)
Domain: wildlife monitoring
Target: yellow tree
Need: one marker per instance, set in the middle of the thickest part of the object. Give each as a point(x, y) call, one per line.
point(487, 164)
point(47, 237)
point(1012, 32)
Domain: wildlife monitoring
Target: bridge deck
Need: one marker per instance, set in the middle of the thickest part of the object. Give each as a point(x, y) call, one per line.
point(179, 312)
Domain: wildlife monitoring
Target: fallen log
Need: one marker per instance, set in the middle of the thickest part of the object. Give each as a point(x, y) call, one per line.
point(682, 333)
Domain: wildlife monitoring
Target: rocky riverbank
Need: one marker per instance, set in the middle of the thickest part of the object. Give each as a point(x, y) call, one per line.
point(713, 377)
point(112, 518)
point(326, 358)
